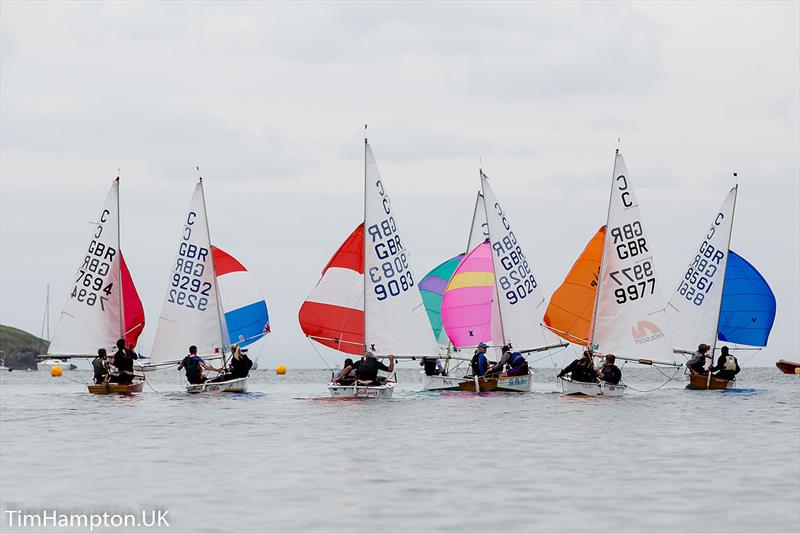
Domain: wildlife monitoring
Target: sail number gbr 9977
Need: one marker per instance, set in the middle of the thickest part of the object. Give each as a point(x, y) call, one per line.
point(93, 287)
point(392, 276)
point(187, 287)
point(638, 280)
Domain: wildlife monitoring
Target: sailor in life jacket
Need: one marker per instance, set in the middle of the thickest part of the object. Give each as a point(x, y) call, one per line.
point(515, 361)
point(479, 363)
point(727, 366)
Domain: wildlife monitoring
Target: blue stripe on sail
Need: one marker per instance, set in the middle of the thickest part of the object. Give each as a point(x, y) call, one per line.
point(748, 304)
point(247, 324)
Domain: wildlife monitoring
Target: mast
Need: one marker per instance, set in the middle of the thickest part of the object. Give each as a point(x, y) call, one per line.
point(719, 310)
point(119, 266)
point(220, 317)
point(472, 224)
point(364, 248)
point(603, 255)
point(481, 176)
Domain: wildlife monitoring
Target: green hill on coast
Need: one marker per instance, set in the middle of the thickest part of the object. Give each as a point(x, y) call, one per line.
point(18, 349)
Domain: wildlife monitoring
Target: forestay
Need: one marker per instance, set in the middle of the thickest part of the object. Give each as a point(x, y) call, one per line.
point(190, 314)
point(630, 319)
point(94, 315)
point(395, 317)
point(243, 306)
point(521, 302)
point(694, 309)
point(333, 314)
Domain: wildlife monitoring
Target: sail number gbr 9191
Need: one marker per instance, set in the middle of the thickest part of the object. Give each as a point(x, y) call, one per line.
point(516, 281)
point(93, 286)
point(638, 280)
point(701, 274)
point(187, 287)
point(392, 276)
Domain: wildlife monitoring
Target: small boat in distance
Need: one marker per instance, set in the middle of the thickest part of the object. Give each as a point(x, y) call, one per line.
point(211, 302)
point(366, 302)
point(610, 302)
point(103, 304)
point(788, 367)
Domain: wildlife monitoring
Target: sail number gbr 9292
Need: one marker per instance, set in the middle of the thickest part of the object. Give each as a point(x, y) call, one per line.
point(187, 287)
point(92, 286)
point(638, 280)
point(392, 276)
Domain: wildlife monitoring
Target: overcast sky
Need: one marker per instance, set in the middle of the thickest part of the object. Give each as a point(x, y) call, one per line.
point(270, 101)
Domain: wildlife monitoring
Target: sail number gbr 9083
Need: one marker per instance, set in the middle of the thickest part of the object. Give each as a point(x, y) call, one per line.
point(92, 285)
point(392, 276)
point(638, 280)
point(187, 286)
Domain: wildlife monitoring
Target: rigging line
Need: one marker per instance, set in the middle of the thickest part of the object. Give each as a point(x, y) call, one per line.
point(669, 378)
point(320, 356)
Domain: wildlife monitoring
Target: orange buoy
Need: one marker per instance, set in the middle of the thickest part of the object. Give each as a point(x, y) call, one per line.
point(56, 371)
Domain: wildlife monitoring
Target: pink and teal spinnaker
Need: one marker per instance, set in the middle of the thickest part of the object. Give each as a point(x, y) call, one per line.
point(467, 301)
point(432, 288)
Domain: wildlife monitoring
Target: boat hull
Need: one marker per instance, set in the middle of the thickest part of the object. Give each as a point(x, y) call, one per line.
point(238, 385)
point(117, 388)
point(494, 384)
point(361, 391)
point(599, 389)
point(788, 367)
point(700, 382)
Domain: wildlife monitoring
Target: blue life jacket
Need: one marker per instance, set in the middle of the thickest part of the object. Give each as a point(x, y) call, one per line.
point(516, 360)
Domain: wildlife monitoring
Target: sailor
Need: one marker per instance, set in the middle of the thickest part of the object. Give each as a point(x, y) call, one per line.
point(480, 364)
point(727, 366)
point(367, 369)
point(100, 366)
point(610, 373)
point(239, 367)
point(514, 362)
point(347, 375)
point(123, 362)
point(581, 369)
point(697, 364)
point(194, 366)
point(432, 366)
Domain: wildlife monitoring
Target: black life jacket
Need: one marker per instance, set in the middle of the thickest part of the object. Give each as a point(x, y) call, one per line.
point(430, 366)
point(367, 369)
point(192, 367)
point(240, 368)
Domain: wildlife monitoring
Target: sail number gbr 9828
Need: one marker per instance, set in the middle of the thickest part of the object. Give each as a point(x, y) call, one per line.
point(637, 280)
point(392, 276)
point(92, 286)
point(187, 286)
point(517, 281)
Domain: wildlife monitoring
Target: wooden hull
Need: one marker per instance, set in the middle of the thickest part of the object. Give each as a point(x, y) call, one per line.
point(361, 391)
point(233, 385)
point(599, 389)
point(700, 382)
point(788, 367)
point(117, 388)
point(497, 384)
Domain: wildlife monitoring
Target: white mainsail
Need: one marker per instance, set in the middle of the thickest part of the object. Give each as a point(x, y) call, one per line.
point(521, 302)
point(395, 320)
point(92, 315)
point(479, 231)
point(694, 308)
point(630, 320)
point(190, 314)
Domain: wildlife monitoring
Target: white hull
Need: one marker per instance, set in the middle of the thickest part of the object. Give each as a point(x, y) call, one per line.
point(504, 383)
point(233, 385)
point(46, 364)
point(361, 391)
point(578, 388)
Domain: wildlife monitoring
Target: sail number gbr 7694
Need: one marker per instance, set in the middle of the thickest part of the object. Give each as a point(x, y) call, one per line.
point(187, 286)
point(93, 285)
point(391, 277)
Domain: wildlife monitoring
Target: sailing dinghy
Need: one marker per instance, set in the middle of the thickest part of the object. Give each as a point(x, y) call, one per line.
point(211, 302)
point(103, 305)
point(366, 302)
point(491, 297)
point(721, 297)
point(610, 301)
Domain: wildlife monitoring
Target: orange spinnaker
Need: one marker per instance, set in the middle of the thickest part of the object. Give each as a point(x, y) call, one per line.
point(571, 309)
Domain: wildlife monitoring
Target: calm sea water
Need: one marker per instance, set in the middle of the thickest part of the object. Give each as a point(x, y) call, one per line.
point(284, 457)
